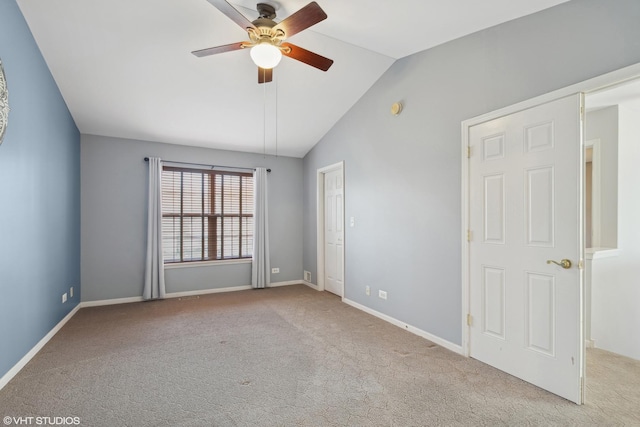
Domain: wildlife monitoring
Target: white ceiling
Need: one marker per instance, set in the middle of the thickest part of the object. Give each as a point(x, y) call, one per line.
point(125, 68)
point(627, 94)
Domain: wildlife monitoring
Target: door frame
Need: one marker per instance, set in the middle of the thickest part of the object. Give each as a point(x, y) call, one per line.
point(596, 173)
point(590, 86)
point(320, 222)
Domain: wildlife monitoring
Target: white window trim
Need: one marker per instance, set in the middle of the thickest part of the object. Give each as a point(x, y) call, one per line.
point(190, 264)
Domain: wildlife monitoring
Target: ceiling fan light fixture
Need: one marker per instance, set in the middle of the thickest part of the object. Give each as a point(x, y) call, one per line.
point(265, 55)
point(267, 37)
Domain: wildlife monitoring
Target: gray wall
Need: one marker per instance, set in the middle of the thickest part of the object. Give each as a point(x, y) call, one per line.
point(39, 197)
point(615, 293)
point(114, 206)
point(402, 174)
point(602, 124)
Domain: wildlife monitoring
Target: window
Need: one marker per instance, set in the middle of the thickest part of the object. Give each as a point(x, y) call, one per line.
point(206, 215)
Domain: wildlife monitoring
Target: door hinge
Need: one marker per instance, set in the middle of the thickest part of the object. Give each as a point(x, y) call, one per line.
point(469, 235)
point(469, 319)
point(468, 151)
point(580, 264)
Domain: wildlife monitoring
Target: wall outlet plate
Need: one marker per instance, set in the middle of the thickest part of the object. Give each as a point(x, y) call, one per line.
point(382, 294)
point(275, 270)
point(64, 297)
point(307, 276)
point(367, 290)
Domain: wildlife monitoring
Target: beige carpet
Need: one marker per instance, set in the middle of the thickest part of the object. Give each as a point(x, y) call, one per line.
point(286, 356)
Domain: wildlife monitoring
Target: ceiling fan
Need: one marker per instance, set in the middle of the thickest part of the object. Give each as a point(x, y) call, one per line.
point(266, 37)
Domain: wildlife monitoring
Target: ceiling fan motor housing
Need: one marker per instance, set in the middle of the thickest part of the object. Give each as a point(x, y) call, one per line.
point(263, 31)
point(266, 11)
point(264, 23)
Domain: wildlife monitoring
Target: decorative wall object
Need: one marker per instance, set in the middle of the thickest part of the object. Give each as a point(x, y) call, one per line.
point(396, 108)
point(4, 103)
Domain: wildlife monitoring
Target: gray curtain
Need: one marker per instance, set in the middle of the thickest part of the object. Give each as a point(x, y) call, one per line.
point(260, 266)
point(154, 267)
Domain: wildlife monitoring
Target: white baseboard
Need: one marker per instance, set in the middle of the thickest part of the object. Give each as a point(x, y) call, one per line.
point(229, 289)
point(289, 283)
point(113, 301)
point(590, 343)
point(207, 291)
point(185, 294)
point(426, 335)
point(168, 295)
point(311, 285)
point(27, 357)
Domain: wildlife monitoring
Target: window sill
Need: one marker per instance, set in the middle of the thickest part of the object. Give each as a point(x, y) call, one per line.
point(206, 263)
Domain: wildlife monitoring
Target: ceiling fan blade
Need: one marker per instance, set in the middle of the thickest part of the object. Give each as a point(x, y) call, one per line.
point(308, 57)
point(309, 15)
point(232, 13)
point(265, 75)
point(218, 49)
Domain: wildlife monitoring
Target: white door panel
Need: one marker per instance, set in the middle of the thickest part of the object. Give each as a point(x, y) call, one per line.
point(524, 187)
point(334, 231)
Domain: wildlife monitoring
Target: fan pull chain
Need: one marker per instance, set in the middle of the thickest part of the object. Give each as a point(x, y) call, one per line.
point(276, 116)
point(264, 116)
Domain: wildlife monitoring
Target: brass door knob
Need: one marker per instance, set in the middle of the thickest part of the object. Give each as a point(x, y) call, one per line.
point(565, 263)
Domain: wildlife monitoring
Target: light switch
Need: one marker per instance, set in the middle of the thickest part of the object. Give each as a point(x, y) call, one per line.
point(352, 222)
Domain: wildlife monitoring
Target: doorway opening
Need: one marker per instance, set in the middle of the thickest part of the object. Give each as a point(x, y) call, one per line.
point(592, 189)
point(628, 207)
point(330, 228)
point(612, 261)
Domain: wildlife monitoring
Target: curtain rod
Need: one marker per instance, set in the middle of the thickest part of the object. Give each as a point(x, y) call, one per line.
point(146, 159)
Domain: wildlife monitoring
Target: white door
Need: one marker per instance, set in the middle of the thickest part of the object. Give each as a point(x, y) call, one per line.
point(333, 232)
point(525, 212)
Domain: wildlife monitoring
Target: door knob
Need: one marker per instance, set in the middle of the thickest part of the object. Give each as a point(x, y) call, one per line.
point(565, 263)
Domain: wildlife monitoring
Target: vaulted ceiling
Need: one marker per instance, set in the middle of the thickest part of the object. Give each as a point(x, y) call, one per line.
point(125, 67)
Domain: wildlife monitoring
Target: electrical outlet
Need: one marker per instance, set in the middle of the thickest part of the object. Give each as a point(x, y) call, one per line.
point(367, 290)
point(307, 276)
point(382, 294)
point(71, 292)
point(64, 297)
point(275, 270)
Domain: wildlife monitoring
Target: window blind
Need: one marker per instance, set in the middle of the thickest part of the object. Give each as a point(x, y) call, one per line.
point(207, 215)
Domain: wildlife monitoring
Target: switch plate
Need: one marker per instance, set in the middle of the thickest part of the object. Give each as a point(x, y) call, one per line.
point(64, 297)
